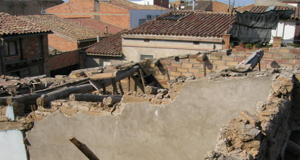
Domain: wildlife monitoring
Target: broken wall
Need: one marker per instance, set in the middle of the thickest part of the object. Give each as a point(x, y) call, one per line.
point(169, 68)
point(185, 129)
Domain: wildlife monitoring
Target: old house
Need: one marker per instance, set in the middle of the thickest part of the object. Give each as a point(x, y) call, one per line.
point(23, 47)
point(25, 7)
point(277, 2)
point(117, 12)
point(68, 37)
point(105, 52)
point(101, 26)
point(287, 30)
point(177, 33)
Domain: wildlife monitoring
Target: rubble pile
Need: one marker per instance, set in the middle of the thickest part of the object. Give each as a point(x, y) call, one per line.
point(262, 135)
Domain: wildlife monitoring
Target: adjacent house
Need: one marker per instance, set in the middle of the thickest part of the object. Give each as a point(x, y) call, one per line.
point(68, 35)
point(288, 30)
point(65, 44)
point(23, 47)
point(277, 2)
point(121, 13)
point(214, 6)
point(24, 7)
point(97, 25)
point(177, 33)
point(105, 52)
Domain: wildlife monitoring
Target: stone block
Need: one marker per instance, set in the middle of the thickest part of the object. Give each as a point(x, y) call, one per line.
point(187, 65)
point(182, 69)
point(288, 56)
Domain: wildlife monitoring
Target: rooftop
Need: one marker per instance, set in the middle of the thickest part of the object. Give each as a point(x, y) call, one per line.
point(261, 9)
point(187, 23)
point(10, 25)
point(110, 46)
point(63, 26)
point(96, 25)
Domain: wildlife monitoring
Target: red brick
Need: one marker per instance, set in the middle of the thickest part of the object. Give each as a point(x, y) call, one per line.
point(184, 60)
point(288, 56)
point(182, 69)
point(194, 61)
point(218, 62)
point(165, 61)
point(239, 59)
point(187, 74)
point(175, 74)
point(215, 57)
point(295, 50)
point(276, 56)
point(187, 65)
point(160, 77)
point(194, 70)
point(176, 64)
point(268, 55)
point(199, 65)
point(282, 61)
point(199, 75)
point(220, 67)
point(283, 50)
point(294, 61)
point(228, 58)
point(171, 68)
point(193, 56)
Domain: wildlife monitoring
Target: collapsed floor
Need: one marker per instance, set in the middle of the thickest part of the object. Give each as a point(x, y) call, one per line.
point(181, 122)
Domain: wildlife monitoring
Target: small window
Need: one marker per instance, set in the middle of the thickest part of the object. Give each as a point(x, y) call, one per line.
point(149, 17)
point(141, 21)
point(146, 56)
point(196, 43)
point(12, 47)
point(146, 40)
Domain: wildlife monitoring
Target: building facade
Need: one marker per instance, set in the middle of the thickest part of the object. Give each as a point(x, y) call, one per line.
point(23, 47)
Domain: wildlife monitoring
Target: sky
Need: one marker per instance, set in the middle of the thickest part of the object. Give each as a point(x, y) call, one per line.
point(237, 2)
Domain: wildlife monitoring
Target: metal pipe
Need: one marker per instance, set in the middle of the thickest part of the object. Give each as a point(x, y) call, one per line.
point(193, 4)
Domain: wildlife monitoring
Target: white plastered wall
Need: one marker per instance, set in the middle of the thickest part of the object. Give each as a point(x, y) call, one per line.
point(286, 30)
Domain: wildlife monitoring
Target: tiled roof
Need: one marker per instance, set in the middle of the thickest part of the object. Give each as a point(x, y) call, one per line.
point(133, 6)
point(63, 26)
point(96, 25)
point(261, 9)
point(199, 5)
point(109, 46)
point(291, 1)
point(187, 23)
point(10, 25)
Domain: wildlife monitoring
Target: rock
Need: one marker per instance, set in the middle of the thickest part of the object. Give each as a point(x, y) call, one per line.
point(249, 117)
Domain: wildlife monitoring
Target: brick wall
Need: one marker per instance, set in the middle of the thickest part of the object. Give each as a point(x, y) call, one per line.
point(63, 60)
point(73, 6)
point(32, 47)
point(188, 65)
point(219, 7)
point(61, 42)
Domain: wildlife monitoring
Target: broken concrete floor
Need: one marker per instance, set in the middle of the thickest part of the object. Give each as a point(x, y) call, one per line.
point(184, 129)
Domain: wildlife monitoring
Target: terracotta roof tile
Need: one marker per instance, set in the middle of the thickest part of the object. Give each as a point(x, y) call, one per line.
point(63, 26)
point(133, 6)
point(110, 46)
point(10, 25)
point(291, 1)
point(97, 25)
point(189, 23)
point(261, 9)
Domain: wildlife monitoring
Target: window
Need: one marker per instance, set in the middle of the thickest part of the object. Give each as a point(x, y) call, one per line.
point(146, 56)
point(149, 17)
point(141, 21)
point(12, 47)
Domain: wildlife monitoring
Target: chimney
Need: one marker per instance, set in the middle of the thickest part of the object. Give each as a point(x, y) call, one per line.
point(106, 30)
point(193, 4)
point(98, 38)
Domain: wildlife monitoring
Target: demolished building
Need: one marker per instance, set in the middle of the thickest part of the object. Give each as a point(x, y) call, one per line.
point(161, 109)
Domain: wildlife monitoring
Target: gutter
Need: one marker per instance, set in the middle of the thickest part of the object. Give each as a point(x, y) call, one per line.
point(25, 35)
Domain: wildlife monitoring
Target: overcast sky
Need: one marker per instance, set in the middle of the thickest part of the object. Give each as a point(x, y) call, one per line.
point(237, 2)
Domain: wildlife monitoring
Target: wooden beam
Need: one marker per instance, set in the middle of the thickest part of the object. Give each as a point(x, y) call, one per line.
point(84, 149)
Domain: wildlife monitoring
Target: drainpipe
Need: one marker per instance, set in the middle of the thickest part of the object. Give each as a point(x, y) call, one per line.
point(193, 4)
point(1, 56)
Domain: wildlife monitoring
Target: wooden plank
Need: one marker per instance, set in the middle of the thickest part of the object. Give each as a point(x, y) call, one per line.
point(142, 78)
point(103, 76)
point(120, 87)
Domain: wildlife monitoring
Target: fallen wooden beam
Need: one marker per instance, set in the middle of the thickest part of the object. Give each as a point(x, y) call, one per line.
point(103, 75)
point(87, 97)
point(45, 99)
point(84, 149)
point(111, 100)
